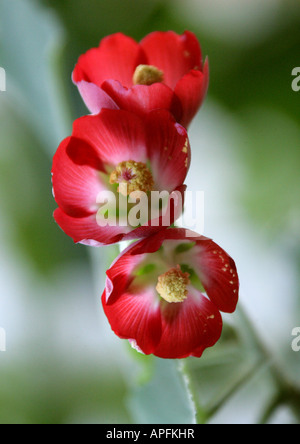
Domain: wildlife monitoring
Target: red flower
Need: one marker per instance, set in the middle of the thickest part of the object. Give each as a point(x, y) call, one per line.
point(164, 70)
point(111, 155)
point(154, 293)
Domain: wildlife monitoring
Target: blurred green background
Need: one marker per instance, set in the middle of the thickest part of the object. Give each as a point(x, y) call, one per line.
point(63, 364)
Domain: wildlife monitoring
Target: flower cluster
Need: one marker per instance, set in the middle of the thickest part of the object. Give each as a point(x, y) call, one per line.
point(120, 176)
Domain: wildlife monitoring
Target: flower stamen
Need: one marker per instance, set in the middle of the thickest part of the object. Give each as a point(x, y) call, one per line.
point(147, 75)
point(172, 285)
point(132, 176)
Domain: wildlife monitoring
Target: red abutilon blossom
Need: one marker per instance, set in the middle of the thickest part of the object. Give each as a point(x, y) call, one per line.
point(165, 293)
point(111, 157)
point(165, 70)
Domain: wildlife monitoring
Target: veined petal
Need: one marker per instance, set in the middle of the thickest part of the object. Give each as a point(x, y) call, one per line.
point(218, 274)
point(116, 58)
point(135, 315)
point(141, 99)
point(174, 54)
point(119, 276)
point(85, 230)
point(94, 97)
point(116, 135)
point(188, 328)
point(191, 90)
point(76, 185)
point(168, 150)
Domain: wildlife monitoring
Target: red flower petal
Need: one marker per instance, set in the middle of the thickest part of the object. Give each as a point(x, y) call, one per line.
point(191, 91)
point(141, 99)
point(169, 150)
point(174, 54)
point(94, 97)
point(116, 135)
point(135, 315)
point(85, 230)
point(116, 58)
point(218, 275)
point(75, 186)
point(188, 327)
point(119, 276)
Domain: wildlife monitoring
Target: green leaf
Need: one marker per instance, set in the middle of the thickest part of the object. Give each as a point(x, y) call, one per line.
point(225, 368)
point(30, 41)
point(164, 399)
point(26, 196)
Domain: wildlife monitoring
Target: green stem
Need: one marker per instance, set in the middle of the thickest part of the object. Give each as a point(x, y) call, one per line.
point(200, 415)
point(280, 377)
point(286, 392)
point(244, 378)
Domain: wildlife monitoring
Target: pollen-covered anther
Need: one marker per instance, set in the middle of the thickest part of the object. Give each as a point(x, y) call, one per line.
point(132, 176)
point(172, 285)
point(147, 75)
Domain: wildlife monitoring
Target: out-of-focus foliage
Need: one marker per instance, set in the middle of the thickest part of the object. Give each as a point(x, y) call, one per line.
point(61, 396)
point(31, 126)
point(26, 197)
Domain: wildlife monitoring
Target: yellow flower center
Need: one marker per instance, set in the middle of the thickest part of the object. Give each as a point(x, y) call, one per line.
point(172, 285)
point(147, 75)
point(132, 176)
